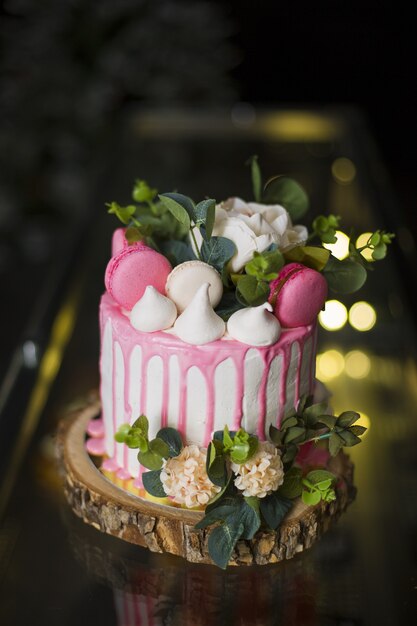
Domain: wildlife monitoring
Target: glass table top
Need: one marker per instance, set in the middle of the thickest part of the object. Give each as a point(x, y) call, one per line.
point(56, 570)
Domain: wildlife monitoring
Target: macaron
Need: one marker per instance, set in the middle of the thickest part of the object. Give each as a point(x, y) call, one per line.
point(297, 295)
point(131, 270)
point(185, 280)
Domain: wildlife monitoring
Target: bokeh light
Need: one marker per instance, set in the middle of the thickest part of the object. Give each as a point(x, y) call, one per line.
point(340, 249)
point(362, 316)
point(361, 241)
point(334, 315)
point(343, 170)
point(357, 364)
point(329, 364)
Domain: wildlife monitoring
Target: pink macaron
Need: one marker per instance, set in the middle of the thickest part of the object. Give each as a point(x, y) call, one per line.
point(132, 269)
point(297, 295)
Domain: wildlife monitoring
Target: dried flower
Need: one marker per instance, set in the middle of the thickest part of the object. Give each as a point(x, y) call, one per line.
point(185, 479)
point(262, 473)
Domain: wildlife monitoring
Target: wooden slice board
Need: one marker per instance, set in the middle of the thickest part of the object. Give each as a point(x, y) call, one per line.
point(162, 528)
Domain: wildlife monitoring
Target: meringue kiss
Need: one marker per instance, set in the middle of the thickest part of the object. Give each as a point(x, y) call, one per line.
point(153, 312)
point(199, 324)
point(256, 326)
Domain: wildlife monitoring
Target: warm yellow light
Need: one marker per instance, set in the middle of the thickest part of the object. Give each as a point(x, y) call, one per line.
point(334, 315)
point(357, 364)
point(362, 241)
point(343, 170)
point(340, 249)
point(362, 316)
point(329, 365)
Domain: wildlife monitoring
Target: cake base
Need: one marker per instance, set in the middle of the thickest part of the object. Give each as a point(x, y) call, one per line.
point(162, 528)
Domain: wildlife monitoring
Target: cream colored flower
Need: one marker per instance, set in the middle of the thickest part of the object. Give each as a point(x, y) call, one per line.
point(262, 474)
point(253, 228)
point(185, 479)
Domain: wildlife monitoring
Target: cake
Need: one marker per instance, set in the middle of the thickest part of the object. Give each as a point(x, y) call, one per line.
point(208, 346)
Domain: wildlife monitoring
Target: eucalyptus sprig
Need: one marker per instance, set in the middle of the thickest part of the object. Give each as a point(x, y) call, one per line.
point(166, 444)
point(315, 486)
point(311, 422)
point(324, 227)
point(252, 287)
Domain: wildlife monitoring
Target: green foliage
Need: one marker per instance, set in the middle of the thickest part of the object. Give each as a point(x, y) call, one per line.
point(311, 256)
point(324, 227)
point(318, 486)
point(222, 540)
point(152, 483)
point(217, 252)
point(123, 213)
point(274, 508)
point(256, 177)
point(345, 276)
point(265, 266)
point(205, 212)
point(181, 207)
point(228, 305)
point(177, 251)
point(292, 486)
point(310, 422)
point(287, 192)
point(252, 292)
point(151, 453)
point(142, 192)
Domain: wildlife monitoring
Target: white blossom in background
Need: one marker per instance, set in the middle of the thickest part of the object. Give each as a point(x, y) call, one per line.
point(262, 474)
point(253, 228)
point(185, 479)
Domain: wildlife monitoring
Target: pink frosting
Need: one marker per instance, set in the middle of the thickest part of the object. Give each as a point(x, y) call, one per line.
point(132, 269)
point(297, 295)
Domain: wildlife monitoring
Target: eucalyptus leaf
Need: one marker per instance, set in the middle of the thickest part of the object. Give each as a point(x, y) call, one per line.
point(172, 439)
point(221, 542)
point(136, 440)
point(217, 252)
point(347, 418)
point(314, 257)
point(248, 515)
point(336, 443)
point(205, 212)
point(319, 475)
point(349, 438)
point(123, 213)
point(358, 430)
point(292, 485)
point(275, 435)
point(150, 459)
point(287, 192)
point(345, 276)
point(152, 484)
point(311, 498)
point(312, 412)
point(293, 433)
point(122, 433)
point(159, 446)
point(292, 420)
point(327, 420)
point(274, 508)
point(177, 209)
point(177, 252)
point(143, 424)
point(253, 292)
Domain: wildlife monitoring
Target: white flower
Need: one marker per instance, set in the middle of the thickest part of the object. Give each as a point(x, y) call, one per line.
point(253, 228)
point(185, 479)
point(262, 474)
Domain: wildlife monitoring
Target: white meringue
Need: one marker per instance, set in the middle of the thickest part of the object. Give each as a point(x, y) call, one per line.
point(199, 324)
point(153, 312)
point(185, 279)
point(256, 326)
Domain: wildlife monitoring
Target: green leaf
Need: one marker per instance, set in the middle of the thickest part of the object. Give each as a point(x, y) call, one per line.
point(345, 276)
point(142, 192)
point(150, 459)
point(136, 440)
point(222, 541)
point(265, 266)
point(219, 513)
point(256, 178)
point(227, 439)
point(152, 484)
point(252, 291)
point(319, 475)
point(177, 252)
point(290, 453)
point(311, 498)
point(177, 208)
point(274, 508)
point(248, 515)
point(133, 234)
point(335, 444)
point(349, 438)
point(123, 213)
point(275, 435)
point(347, 418)
point(312, 412)
point(311, 256)
point(327, 420)
point(143, 424)
point(292, 485)
point(287, 192)
point(358, 430)
point(228, 305)
point(216, 464)
point(288, 422)
point(294, 433)
point(205, 213)
point(122, 433)
point(217, 252)
point(324, 484)
point(253, 446)
point(172, 439)
point(158, 446)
